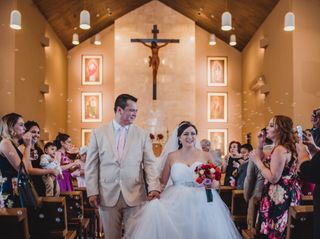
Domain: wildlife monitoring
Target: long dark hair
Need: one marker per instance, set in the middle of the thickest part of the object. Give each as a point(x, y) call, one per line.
point(182, 127)
point(286, 135)
point(60, 137)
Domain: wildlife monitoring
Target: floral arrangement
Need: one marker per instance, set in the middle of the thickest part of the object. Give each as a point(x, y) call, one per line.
point(207, 175)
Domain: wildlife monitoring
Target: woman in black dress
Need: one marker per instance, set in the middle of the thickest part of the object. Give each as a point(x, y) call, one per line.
point(11, 131)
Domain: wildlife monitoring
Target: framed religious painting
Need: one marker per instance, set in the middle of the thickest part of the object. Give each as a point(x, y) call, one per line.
point(91, 70)
point(85, 136)
point(217, 71)
point(217, 107)
point(219, 140)
point(91, 106)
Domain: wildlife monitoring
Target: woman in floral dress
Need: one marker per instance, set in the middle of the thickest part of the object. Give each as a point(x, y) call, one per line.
point(281, 189)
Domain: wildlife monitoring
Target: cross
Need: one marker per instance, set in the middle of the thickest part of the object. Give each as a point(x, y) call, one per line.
point(154, 60)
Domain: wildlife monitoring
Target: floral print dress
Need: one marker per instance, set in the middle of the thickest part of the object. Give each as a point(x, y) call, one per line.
point(9, 196)
point(276, 200)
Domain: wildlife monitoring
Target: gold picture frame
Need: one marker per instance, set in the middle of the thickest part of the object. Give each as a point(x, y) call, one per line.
point(91, 106)
point(217, 71)
point(217, 107)
point(219, 140)
point(85, 136)
point(91, 70)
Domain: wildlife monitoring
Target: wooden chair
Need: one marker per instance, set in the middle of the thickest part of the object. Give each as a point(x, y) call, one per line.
point(50, 220)
point(226, 194)
point(239, 209)
point(75, 212)
point(300, 223)
point(14, 223)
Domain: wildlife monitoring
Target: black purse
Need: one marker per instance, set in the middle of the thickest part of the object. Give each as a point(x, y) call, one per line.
point(28, 195)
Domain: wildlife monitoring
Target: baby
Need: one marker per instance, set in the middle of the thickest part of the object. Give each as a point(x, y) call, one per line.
point(48, 161)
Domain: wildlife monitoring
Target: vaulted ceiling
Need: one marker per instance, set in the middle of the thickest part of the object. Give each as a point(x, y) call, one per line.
point(247, 15)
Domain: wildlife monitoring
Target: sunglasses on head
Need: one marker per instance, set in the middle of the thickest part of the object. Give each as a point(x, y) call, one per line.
point(316, 113)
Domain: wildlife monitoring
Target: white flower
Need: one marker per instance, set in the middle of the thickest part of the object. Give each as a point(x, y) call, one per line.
point(212, 170)
point(277, 193)
point(201, 172)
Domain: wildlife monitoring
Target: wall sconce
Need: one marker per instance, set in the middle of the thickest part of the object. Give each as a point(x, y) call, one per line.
point(44, 88)
point(44, 41)
point(265, 89)
point(257, 83)
point(264, 43)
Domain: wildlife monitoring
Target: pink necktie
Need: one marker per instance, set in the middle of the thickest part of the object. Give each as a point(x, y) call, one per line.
point(121, 142)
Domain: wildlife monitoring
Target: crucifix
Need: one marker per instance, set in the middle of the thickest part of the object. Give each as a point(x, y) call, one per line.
point(154, 60)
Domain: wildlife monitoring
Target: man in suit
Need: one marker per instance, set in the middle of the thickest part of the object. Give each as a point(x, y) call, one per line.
point(119, 161)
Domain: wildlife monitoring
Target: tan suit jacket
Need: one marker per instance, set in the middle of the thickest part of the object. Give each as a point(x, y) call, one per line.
point(106, 175)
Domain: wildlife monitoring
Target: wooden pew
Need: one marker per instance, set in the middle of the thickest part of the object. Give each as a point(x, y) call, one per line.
point(226, 194)
point(14, 223)
point(50, 220)
point(307, 200)
point(300, 224)
point(93, 214)
point(75, 212)
point(239, 209)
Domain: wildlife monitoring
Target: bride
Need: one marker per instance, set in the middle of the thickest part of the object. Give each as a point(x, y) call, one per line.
point(183, 212)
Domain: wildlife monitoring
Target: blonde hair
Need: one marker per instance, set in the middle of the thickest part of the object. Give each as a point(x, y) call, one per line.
point(7, 124)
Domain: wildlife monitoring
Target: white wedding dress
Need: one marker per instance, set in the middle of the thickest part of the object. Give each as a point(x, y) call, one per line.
point(183, 212)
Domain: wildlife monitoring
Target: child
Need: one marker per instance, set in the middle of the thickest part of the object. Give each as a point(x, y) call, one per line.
point(79, 173)
point(48, 161)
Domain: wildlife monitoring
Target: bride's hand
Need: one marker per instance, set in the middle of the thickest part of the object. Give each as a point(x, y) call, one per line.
point(153, 195)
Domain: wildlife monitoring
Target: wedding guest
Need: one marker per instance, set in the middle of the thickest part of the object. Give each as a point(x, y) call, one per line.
point(215, 153)
point(281, 189)
point(36, 172)
point(315, 130)
point(309, 166)
point(11, 131)
point(64, 143)
point(79, 173)
point(242, 173)
point(48, 160)
point(253, 183)
point(231, 163)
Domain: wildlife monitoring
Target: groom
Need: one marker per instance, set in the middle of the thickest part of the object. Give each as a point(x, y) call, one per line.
point(118, 154)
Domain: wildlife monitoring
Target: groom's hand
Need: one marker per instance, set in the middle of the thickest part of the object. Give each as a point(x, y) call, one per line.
point(94, 201)
point(153, 195)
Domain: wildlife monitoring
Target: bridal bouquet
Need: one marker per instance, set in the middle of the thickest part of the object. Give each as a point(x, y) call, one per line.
point(207, 175)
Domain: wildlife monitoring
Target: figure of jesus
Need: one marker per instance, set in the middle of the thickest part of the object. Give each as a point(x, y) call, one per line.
point(154, 60)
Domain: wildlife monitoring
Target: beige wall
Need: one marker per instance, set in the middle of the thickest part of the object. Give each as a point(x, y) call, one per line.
point(276, 64)
point(233, 89)
point(32, 66)
point(306, 60)
point(7, 46)
point(75, 88)
point(176, 75)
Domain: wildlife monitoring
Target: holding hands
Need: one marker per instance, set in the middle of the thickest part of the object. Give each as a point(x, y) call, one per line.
point(153, 195)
